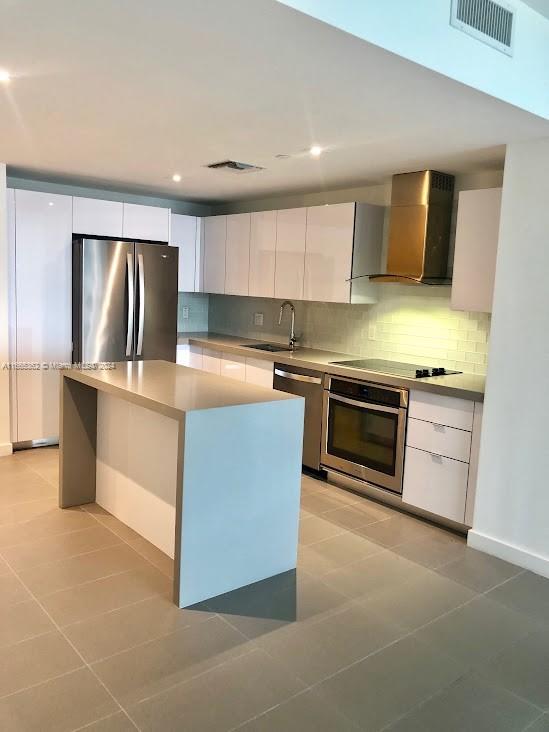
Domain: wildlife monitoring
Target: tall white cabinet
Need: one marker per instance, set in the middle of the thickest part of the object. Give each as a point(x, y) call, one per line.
point(262, 253)
point(237, 253)
point(186, 235)
point(42, 254)
point(215, 236)
point(291, 227)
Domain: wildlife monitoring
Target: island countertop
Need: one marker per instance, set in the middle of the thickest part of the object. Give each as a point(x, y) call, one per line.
point(173, 390)
point(464, 386)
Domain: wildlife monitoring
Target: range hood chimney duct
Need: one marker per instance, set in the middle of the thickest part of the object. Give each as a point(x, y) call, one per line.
point(419, 229)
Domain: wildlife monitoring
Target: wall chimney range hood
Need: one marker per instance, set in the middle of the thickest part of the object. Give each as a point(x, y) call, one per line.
point(419, 229)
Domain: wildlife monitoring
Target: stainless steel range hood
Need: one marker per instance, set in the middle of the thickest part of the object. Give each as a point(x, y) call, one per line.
point(419, 229)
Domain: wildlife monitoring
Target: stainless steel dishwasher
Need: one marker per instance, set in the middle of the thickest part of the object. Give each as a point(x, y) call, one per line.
point(308, 384)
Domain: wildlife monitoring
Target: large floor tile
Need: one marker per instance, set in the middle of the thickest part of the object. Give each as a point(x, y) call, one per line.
point(306, 712)
point(523, 668)
point(66, 573)
point(33, 554)
point(11, 590)
point(335, 552)
point(119, 722)
point(315, 528)
point(284, 600)
point(21, 512)
point(320, 503)
point(22, 489)
point(21, 621)
point(479, 571)
point(36, 660)
point(101, 596)
point(469, 704)
point(47, 525)
point(358, 514)
point(221, 699)
point(157, 665)
point(396, 530)
point(153, 555)
point(435, 549)
point(317, 650)
point(414, 603)
point(59, 705)
point(119, 630)
point(540, 725)
point(370, 576)
point(386, 685)
point(476, 632)
point(527, 593)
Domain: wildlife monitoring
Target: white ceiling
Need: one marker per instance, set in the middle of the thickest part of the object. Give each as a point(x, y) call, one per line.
point(122, 94)
point(542, 6)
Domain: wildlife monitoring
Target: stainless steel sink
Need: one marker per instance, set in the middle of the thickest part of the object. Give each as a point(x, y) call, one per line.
point(272, 347)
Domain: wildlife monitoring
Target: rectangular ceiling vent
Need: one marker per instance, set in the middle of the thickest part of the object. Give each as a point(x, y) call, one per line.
point(234, 167)
point(490, 22)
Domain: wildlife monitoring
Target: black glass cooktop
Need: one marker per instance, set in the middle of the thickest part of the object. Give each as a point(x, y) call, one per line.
point(396, 368)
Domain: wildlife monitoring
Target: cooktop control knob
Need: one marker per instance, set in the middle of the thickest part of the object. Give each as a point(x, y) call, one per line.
point(419, 373)
point(425, 372)
point(439, 371)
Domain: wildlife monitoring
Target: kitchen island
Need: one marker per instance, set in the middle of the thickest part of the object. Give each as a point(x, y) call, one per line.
point(206, 468)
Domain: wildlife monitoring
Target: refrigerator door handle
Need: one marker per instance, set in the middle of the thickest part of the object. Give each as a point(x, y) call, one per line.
point(131, 303)
point(141, 276)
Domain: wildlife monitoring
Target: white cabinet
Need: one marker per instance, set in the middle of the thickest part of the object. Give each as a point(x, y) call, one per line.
point(290, 253)
point(185, 234)
point(195, 357)
point(262, 254)
point(43, 255)
point(237, 254)
point(233, 367)
point(211, 361)
point(215, 235)
point(435, 483)
point(146, 222)
point(449, 411)
point(329, 252)
point(439, 439)
point(182, 354)
point(259, 372)
point(95, 217)
point(477, 232)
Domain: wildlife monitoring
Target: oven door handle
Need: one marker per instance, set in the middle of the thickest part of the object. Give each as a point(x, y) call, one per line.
point(364, 405)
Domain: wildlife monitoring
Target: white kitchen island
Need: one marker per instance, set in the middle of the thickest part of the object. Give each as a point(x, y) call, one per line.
point(206, 468)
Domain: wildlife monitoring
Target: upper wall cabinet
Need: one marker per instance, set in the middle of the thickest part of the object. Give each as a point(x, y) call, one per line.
point(43, 255)
point(291, 227)
point(146, 222)
point(477, 231)
point(262, 254)
point(329, 252)
point(215, 235)
point(237, 254)
point(94, 217)
point(185, 234)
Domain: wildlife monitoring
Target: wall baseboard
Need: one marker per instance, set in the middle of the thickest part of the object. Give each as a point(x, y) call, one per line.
point(6, 448)
point(519, 555)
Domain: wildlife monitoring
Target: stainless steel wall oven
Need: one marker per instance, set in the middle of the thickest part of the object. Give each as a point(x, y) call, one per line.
point(363, 430)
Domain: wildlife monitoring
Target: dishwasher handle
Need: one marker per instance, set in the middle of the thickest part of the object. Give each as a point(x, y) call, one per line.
point(298, 377)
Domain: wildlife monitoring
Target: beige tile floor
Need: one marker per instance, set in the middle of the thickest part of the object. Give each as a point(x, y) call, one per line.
point(389, 623)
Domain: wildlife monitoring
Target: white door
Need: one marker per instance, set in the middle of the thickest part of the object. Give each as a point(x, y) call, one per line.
point(43, 255)
point(184, 233)
point(94, 217)
point(151, 223)
point(237, 254)
point(329, 252)
point(290, 253)
point(215, 234)
point(262, 254)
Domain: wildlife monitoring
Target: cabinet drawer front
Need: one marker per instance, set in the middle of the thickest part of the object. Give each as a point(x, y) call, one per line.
point(444, 410)
point(439, 439)
point(211, 361)
point(436, 484)
point(259, 372)
point(234, 367)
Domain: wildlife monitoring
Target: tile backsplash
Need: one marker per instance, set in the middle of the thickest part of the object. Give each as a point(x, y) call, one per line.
point(412, 324)
point(197, 312)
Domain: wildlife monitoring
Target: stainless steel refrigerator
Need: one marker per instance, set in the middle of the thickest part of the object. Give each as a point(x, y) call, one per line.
point(124, 300)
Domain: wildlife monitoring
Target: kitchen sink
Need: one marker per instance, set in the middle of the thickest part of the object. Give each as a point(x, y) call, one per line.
point(272, 347)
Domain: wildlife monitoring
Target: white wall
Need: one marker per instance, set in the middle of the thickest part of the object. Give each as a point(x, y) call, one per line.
point(5, 439)
point(512, 504)
point(421, 31)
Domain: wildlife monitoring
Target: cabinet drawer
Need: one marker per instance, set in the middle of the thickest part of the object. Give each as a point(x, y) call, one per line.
point(439, 439)
point(448, 411)
point(436, 484)
point(234, 367)
point(211, 361)
point(259, 372)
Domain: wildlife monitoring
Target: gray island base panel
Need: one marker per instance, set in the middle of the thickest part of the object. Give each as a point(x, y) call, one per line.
point(205, 467)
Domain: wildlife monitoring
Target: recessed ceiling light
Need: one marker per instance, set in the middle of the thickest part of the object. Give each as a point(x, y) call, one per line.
point(4, 75)
point(176, 178)
point(315, 151)
point(50, 203)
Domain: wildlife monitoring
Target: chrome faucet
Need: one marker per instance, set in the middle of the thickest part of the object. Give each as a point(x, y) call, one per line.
point(292, 338)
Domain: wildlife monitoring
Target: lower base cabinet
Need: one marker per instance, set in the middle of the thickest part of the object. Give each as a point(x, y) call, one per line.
point(251, 370)
point(435, 483)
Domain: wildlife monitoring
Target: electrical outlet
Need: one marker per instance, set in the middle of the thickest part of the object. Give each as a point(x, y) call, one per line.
point(258, 318)
point(186, 312)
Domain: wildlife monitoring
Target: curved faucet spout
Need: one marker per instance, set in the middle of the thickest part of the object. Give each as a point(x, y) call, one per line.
point(292, 337)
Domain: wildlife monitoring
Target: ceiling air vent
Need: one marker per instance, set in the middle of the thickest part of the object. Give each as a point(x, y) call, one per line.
point(490, 22)
point(234, 167)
